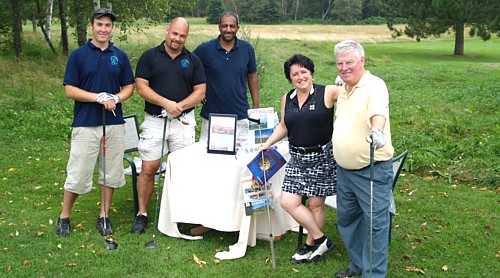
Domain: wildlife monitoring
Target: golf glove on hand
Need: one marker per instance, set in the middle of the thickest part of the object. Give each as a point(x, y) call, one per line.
point(115, 98)
point(103, 97)
point(377, 137)
point(165, 114)
point(339, 81)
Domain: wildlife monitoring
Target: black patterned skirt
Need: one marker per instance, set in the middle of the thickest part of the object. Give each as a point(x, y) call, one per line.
point(311, 174)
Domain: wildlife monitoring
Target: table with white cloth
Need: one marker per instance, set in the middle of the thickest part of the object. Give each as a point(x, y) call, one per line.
point(205, 188)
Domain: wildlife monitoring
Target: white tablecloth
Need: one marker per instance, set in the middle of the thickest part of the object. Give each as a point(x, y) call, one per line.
point(202, 188)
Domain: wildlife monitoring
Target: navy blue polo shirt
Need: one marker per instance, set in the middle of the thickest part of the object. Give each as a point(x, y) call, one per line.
point(227, 76)
point(92, 69)
point(173, 79)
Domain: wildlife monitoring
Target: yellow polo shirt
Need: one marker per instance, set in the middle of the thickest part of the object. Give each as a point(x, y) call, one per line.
point(352, 123)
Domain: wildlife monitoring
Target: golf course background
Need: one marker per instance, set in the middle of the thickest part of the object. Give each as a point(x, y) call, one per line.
point(444, 110)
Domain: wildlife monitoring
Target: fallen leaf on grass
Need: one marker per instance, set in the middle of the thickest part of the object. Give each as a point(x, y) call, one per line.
point(59, 246)
point(39, 233)
point(443, 194)
point(295, 270)
point(72, 264)
point(12, 169)
point(198, 261)
point(444, 268)
point(51, 222)
point(414, 269)
point(25, 262)
point(407, 256)
point(216, 261)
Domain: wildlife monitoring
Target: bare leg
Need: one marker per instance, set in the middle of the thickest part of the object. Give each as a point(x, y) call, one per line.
point(145, 183)
point(68, 202)
point(109, 196)
point(292, 204)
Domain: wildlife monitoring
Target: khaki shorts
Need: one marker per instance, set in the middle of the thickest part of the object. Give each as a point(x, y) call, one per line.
point(86, 147)
point(178, 134)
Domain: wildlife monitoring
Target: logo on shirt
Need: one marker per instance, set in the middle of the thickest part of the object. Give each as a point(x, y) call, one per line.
point(114, 60)
point(312, 107)
point(185, 63)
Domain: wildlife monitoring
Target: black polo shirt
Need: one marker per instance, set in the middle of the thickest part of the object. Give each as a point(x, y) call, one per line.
point(312, 124)
point(171, 78)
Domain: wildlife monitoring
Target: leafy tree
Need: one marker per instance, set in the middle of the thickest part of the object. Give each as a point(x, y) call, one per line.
point(370, 9)
point(214, 11)
point(267, 12)
point(436, 17)
point(17, 27)
point(347, 11)
point(5, 24)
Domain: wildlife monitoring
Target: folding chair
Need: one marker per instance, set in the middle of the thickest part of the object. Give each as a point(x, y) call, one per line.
point(397, 166)
point(131, 143)
point(331, 201)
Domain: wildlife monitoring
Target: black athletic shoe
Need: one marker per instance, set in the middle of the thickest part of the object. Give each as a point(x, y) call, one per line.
point(100, 226)
point(63, 227)
point(141, 221)
point(302, 255)
point(345, 273)
point(320, 249)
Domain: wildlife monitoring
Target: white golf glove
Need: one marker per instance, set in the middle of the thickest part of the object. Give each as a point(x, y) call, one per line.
point(339, 81)
point(377, 137)
point(115, 98)
point(103, 97)
point(166, 114)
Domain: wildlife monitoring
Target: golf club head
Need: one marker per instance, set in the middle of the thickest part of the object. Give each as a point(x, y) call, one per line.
point(150, 245)
point(110, 244)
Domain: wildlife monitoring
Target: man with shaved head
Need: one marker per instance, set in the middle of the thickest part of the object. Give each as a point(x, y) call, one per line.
point(172, 82)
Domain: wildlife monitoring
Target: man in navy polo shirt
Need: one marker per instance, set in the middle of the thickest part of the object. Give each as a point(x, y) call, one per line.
point(172, 82)
point(230, 66)
point(97, 75)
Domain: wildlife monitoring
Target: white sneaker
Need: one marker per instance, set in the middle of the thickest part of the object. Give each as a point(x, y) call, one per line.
point(302, 255)
point(320, 249)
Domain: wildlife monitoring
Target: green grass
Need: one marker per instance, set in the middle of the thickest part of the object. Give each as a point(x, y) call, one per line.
point(444, 110)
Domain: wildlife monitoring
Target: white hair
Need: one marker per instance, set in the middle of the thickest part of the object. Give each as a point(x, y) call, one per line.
point(349, 46)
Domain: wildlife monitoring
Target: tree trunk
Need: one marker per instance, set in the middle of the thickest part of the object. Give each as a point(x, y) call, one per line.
point(33, 22)
point(64, 27)
point(47, 39)
point(17, 27)
point(81, 22)
point(459, 39)
point(97, 4)
point(48, 17)
point(296, 10)
point(327, 9)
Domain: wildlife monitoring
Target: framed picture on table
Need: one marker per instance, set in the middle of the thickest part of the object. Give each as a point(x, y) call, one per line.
point(222, 133)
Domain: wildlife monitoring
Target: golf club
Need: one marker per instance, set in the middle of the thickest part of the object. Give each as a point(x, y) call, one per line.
point(371, 204)
point(152, 243)
point(109, 242)
point(264, 170)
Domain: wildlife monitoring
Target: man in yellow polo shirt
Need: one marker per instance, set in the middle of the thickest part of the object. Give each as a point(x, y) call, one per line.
point(362, 117)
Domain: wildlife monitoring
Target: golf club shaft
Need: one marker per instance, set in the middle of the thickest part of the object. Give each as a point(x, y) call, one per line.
point(371, 204)
point(104, 164)
point(159, 180)
point(264, 170)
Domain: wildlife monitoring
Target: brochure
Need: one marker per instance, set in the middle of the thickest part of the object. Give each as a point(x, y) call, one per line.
point(268, 162)
point(254, 196)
